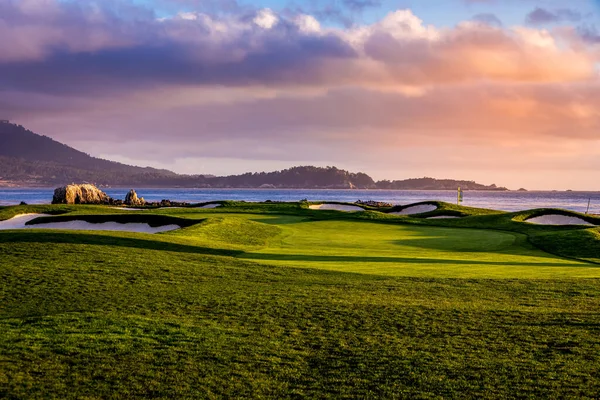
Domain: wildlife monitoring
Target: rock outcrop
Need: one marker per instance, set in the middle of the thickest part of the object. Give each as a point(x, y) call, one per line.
point(371, 203)
point(80, 194)
point(132, 199)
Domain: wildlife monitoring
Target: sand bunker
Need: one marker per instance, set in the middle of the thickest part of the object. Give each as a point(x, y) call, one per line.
point(557, 219)
point(18, 222)
point(419, 209)
point(444, 217)
point(337, 207)
point(210, 206)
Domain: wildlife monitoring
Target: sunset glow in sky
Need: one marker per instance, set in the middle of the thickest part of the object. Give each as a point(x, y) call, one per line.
point(497, 91)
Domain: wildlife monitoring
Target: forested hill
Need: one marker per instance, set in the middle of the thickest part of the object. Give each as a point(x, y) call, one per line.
point(332, 177)
point(435, 184)
point(297, 177)
point(29, 159)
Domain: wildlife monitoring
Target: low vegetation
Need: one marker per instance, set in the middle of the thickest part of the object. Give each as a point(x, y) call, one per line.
point(280, 301)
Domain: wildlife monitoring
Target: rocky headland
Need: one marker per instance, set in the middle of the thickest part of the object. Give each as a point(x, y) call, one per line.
point(90, 194)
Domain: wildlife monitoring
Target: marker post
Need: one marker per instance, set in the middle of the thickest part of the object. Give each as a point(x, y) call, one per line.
point(588, 207)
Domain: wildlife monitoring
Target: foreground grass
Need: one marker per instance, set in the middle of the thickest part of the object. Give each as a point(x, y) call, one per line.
point(135, 322)
point(316, 313)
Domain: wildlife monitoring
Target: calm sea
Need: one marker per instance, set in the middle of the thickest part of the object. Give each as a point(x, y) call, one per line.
point(508, 201)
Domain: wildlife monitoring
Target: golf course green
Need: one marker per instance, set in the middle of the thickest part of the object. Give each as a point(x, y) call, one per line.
point(278, 300)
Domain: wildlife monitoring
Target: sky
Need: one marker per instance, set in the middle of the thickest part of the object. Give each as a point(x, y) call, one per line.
point(496, 91)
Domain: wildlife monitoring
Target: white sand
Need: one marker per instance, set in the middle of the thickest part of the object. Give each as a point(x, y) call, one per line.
point(210, 206)
point(18, 222)
point(557, 219)
point(444, 217)
point(421, 208)
point(337, 207)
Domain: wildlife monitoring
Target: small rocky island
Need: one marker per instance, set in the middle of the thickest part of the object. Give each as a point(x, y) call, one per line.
point(80, 194)
point(89, 194)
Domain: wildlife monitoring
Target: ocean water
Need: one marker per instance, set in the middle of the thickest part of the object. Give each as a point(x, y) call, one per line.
point(507, 201)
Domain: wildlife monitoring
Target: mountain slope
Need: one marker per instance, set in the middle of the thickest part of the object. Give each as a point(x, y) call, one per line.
point(18, 142)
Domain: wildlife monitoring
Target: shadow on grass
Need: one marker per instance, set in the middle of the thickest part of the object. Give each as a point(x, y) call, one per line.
point(280, 220)
point(108, 240)
point(447, 243)
point(152, 220)
point(460, 244)
point(403, 260)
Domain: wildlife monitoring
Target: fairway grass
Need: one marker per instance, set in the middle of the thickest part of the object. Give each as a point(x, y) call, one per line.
point(279, 301)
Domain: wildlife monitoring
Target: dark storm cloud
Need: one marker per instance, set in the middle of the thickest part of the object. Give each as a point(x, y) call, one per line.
point(168, 63)
point(99, 51)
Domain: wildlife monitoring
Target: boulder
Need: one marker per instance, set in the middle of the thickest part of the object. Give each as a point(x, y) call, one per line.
point(80, 194)
point(132, 199)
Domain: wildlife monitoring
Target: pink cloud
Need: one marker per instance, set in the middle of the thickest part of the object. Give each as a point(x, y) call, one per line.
point(256, 85)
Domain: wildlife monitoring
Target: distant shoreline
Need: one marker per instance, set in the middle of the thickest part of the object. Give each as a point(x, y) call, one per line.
point(142, 187)
point(263, 188)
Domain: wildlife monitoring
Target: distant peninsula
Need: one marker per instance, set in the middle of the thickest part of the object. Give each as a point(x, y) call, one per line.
point(31, 160)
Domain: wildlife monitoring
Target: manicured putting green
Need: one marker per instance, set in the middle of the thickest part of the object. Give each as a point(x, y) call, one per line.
point(375, 248)
point(383, 249)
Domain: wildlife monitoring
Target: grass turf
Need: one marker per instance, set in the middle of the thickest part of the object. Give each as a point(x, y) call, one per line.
point(320, 314)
